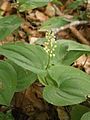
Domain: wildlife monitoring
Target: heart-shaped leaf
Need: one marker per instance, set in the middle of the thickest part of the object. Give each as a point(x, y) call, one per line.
point(8, 82)
point(72, 86)
point(30, 57)
point(58, 97)
point(24, 77)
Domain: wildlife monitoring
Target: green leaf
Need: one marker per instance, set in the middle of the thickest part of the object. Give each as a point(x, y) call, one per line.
point(31, 57)
point(8, 24)
point(77, 112)
point(2, 116)
point(75, 4)
point(71, 56)
point(72, 86)
point(8, 82)
point(32, 4)
point(25, 78)
point(74, 46)
point(70, 76)
point(86, 116)
point(54, 22)
point(68, 51)
point(7, 116)
point(58, 97)
point(63, 55)
point(75, 50)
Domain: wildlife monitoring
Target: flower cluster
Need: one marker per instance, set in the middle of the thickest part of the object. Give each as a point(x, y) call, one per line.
point(50, 45)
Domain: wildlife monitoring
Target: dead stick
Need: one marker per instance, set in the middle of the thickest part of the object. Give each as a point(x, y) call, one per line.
point(79, 36)
point(74, 23)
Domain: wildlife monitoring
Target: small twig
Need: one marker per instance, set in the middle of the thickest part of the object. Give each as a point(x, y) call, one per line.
point(85, 60)
point(71, 26)
point(74, 23)
point(79, 36)
point(69, 17)
point(57, 10)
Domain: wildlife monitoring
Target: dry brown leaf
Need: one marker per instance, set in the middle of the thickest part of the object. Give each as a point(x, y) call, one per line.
point(5, 6)
point(62, 114)
point(40, 16)
point(50, 10)
point(83, 63)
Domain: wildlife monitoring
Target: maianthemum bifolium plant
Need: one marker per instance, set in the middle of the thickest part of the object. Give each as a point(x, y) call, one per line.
point(50, 64)
point(64, 84)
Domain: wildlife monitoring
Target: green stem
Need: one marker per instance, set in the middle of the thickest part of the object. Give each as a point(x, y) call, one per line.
point(48, 62)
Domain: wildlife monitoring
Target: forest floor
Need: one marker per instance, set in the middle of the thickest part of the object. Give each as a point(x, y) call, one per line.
point(29, 104)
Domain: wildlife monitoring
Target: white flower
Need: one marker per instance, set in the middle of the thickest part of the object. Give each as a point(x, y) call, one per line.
point(50, 45)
